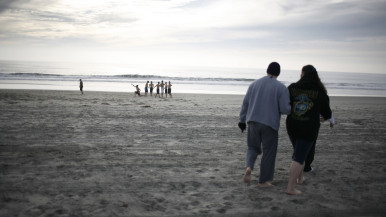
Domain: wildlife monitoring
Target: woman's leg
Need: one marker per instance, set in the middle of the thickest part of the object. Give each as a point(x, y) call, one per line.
point(295, 170)
point(310, 158)
point(301, 150)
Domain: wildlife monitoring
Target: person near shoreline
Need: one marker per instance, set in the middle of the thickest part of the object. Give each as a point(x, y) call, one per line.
point(137, 90)
point(151, 85)
point(157, 86)
point(170, 89)
point(166, 89)
point(264, 102)
point(81, 86)
point(146, 88)
point(309, 101)
point(162, 88)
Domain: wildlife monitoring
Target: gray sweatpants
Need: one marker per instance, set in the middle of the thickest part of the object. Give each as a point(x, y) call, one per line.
point(261, 136)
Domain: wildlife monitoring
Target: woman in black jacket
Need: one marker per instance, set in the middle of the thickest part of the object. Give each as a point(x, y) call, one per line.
point(309, 101)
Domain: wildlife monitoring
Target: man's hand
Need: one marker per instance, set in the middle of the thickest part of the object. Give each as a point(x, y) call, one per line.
point(242, 126)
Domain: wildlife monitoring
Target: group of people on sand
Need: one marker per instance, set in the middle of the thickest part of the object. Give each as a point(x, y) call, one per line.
point(161, 88)
point(306, 105)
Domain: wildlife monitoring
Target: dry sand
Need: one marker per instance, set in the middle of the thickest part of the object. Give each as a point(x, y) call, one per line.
point(112, 154)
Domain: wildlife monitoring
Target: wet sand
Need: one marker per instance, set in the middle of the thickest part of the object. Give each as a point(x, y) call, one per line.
point(112, 154)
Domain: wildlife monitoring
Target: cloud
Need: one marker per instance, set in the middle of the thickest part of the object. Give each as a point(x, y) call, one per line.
point(152, 22)
point(10, 4)
point(213, 27)
point(327, 20)
point(5, 4)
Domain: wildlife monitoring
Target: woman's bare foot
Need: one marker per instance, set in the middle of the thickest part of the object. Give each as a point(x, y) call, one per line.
point(300, 180)
point(247, 176)
point(293, 192)
point(264, 185)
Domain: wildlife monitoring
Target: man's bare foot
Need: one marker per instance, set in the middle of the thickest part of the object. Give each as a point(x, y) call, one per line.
point(247, 176)
point(264, 185)
point(293, 192)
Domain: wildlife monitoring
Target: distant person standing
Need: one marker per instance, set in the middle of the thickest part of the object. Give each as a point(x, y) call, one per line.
point(151, 85)
point(162, 88)
point(309, 101)
point(264, 102)
point(166, 89)
point(81, 86)
point(170, 89)
point(157, 86)
point(146, 88)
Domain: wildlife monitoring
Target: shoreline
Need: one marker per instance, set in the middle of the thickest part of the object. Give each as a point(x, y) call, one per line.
point(180, 93)
point(113, 154)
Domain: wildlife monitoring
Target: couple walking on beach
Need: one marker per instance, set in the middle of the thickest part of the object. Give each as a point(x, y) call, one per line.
point(304, 103)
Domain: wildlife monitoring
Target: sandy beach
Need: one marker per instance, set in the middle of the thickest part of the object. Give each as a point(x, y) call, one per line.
point(113, 154)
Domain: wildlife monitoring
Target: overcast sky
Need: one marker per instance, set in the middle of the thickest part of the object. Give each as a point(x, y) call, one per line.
point(333, 35)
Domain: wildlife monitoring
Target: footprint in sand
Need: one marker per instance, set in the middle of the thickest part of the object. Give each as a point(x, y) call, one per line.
point(229, 197)
point(195, 203)
point(196, 184)
point(228, 204)
point(204, 211)
point(222, 210)
point(298, 201)
point(266, 199)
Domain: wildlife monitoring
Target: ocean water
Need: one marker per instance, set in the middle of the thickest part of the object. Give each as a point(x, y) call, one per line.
point(208, 80)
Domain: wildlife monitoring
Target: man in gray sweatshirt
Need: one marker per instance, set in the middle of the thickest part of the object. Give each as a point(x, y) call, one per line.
point(265, 101)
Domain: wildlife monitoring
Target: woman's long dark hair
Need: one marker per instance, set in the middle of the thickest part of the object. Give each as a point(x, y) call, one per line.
point(310, 74)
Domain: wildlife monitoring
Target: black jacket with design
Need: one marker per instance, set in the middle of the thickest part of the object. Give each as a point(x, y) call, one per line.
point(308, 102)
